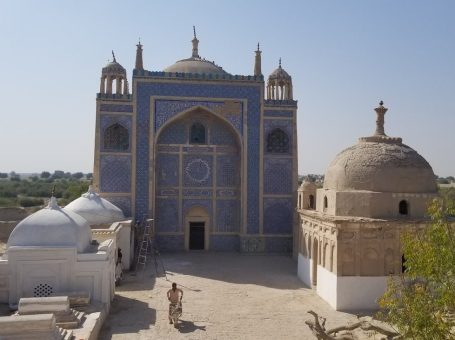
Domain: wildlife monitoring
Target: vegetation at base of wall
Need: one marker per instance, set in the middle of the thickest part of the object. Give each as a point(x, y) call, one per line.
point(421, 302)
point(18, 190)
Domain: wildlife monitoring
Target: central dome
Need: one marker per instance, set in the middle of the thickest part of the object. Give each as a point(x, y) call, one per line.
point(195, 65)
point(381, 167)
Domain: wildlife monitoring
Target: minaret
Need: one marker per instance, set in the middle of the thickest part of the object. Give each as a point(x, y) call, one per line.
point(139, 64)
point(257, 63)
point(195, 44)
point(380, 112)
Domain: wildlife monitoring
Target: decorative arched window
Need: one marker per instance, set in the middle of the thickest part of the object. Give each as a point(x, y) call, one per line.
point(116, 137)
point(403, 207)
point(278, 141)
point(300, 201)
point(197, 134)
point(311, 198)
point(326, 203)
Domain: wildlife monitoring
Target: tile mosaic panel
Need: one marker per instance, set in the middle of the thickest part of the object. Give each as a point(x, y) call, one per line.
point(278, 215)
point(166, 215)
point(115, 173)
point(227, 216)
point(116, 108)
point(277, 175)
point(197, 171)
point(167, 170)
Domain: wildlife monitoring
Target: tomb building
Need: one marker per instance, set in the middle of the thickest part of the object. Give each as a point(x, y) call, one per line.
point(349, 241)
point(210, 156)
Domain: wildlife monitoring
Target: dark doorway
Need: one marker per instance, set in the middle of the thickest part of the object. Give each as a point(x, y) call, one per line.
point(197, 235)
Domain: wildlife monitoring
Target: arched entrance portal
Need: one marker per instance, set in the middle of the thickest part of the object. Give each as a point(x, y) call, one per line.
point(197, 227)
point(314, 262)
point(197, 174)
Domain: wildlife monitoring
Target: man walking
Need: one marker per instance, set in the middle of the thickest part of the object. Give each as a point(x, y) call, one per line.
point(174, 296)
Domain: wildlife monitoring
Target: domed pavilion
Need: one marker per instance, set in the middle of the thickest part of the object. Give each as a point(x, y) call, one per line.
point(349, 241)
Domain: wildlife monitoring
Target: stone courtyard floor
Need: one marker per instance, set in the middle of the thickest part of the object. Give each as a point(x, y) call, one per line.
point(226, 296)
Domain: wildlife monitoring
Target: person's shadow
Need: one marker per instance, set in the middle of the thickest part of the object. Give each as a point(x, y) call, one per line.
point(188, 327)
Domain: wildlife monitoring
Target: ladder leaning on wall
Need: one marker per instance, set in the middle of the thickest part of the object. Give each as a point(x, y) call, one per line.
point(147, 247)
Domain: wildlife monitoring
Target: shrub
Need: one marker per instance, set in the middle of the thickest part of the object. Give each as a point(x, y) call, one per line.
point(30, 202)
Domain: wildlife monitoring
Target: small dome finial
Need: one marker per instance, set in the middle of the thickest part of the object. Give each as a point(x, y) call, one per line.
point(258, 47)
point(195, 42)
point(380, 112)
point(279, 63)
point(113, 56)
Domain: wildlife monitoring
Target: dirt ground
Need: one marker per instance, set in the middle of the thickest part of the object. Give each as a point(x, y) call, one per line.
point(226, 296)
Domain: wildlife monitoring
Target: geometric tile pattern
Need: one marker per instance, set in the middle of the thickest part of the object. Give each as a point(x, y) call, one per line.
point(123, 202)
point(115, 173)
point(224, 242)
point(273, 113)
point(284, 125)
point(174, 134)
point(109, 120)
point(227, 215)
point(220, 134)
point(278, 213)
point(228, 171)
point(116, 108)
point(166, 218)
point(167, 170)
point(166, 109)
point(197, 171)
point(252, 95)
point(277, 175)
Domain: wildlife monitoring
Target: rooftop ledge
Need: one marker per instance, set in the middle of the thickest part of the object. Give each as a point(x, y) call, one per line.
point(199, 76)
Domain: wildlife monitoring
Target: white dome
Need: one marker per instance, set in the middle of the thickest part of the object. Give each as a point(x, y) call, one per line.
point(52, 227)
point(95, 209)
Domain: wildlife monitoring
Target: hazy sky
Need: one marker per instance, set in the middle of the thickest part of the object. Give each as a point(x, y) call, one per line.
point(343, 56)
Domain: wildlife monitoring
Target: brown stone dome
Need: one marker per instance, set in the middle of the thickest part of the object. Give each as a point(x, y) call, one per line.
point(381, 166)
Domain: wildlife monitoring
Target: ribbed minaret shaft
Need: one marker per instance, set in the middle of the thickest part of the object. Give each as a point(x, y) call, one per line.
point(139, 63)
point(257, 63)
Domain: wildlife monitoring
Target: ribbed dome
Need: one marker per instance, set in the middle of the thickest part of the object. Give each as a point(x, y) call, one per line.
point(279, 73)
point(387, 166)
point(114, 68)
point(95, 209)
point(195, 65)
point(52, 227)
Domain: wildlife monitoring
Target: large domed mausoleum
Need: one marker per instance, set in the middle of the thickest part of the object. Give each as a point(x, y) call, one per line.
point(209, 155)
point(349, 241)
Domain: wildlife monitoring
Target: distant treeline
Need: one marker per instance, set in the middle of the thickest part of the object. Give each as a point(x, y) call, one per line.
point(34, 190)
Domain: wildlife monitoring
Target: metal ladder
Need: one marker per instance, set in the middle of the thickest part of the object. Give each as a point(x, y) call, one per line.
point(145, 244)
point(147, 248)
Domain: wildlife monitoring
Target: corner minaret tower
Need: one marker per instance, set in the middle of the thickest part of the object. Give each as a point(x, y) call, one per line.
point(139, 64)
point(257, 63)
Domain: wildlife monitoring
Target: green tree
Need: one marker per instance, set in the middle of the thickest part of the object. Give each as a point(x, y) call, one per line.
point(421, 302)
point(45, 174)
point(78, 175)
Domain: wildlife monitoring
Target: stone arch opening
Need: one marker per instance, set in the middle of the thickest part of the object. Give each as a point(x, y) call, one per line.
point(403, 207)
point(326, 203)
point(116, 138)
point(311, 201)
point(198, 134)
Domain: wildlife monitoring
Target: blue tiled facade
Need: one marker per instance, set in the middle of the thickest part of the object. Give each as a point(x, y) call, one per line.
point(221, 175)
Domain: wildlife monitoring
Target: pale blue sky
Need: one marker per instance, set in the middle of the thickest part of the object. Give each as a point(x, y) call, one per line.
point(343, 56)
